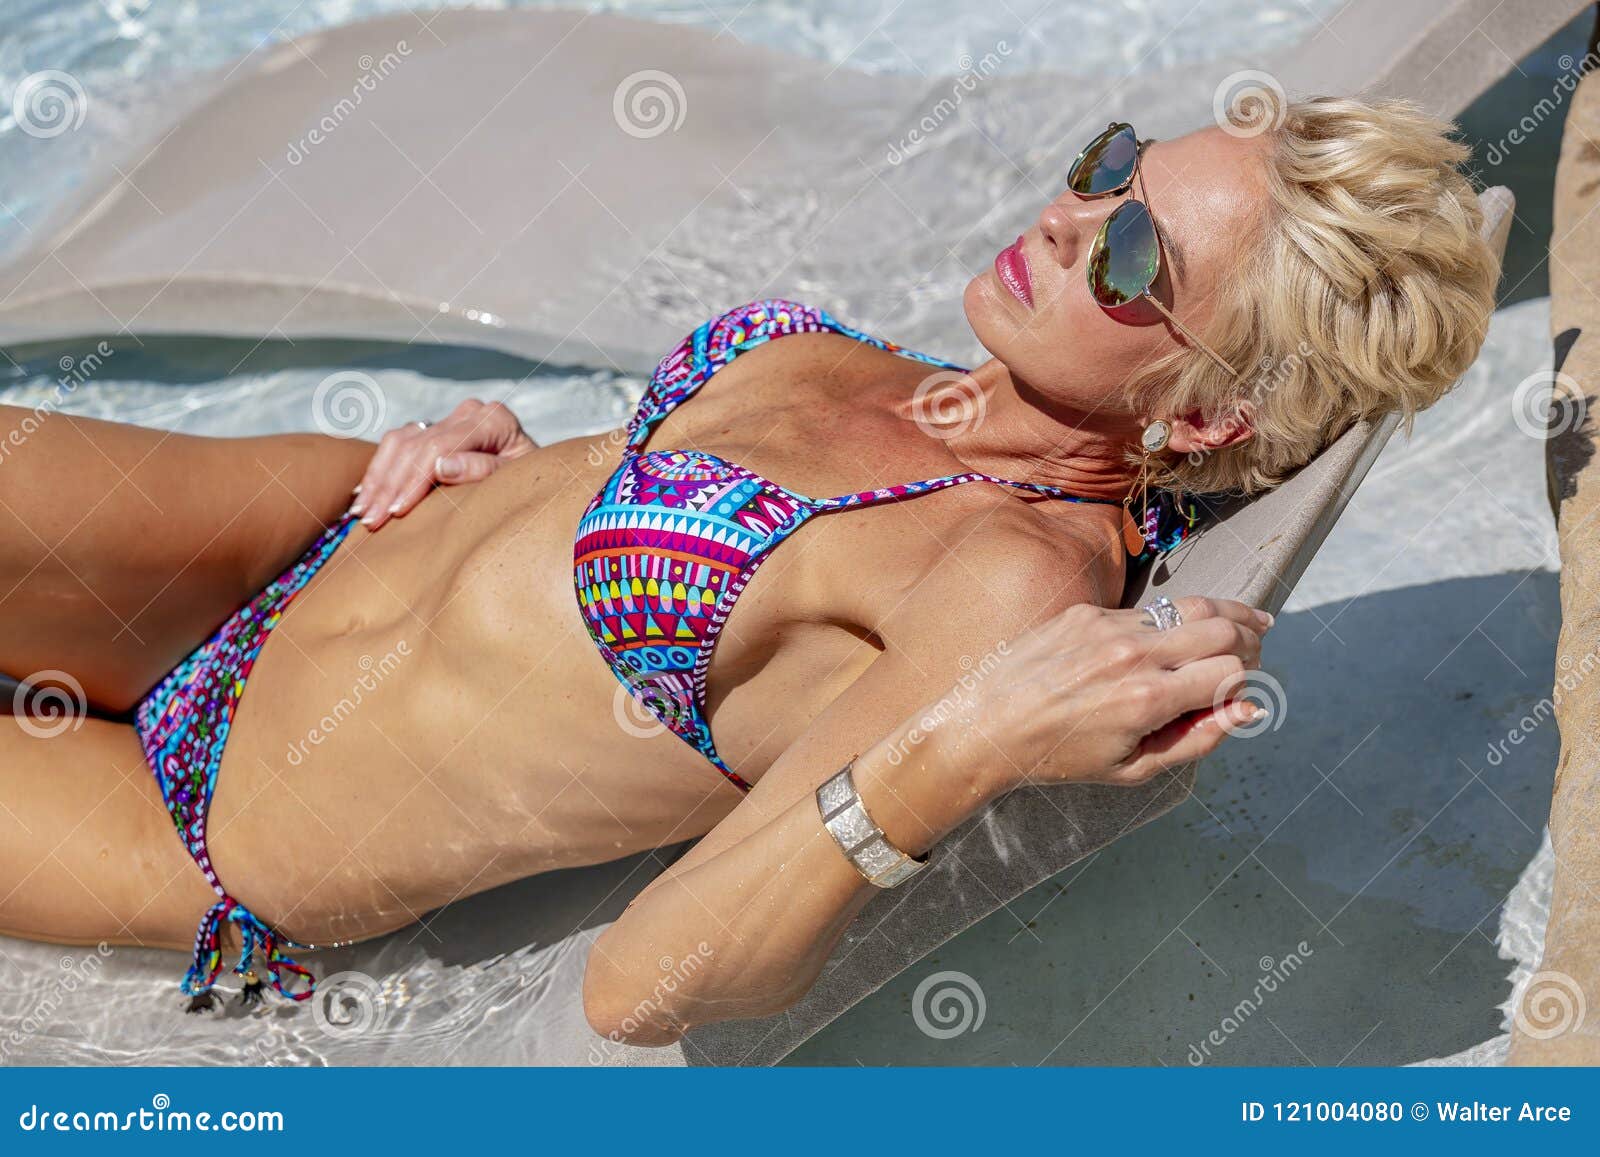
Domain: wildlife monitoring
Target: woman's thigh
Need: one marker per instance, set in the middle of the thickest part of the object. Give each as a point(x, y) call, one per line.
point(88, 853)
point(121, 547)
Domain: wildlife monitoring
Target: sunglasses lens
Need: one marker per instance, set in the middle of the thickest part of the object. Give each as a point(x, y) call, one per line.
point(1125, 257)
point(1106, 164)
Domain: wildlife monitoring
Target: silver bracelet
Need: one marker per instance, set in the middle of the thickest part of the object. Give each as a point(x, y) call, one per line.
point(861, 840)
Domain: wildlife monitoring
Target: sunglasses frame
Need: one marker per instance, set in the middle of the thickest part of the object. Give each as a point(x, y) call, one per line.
point(1161, 258)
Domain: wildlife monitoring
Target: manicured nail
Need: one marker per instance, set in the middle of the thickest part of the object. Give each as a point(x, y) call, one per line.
point(1267, 617)
point(447, 467)
point(1257, 713)
point(356, 508)
point(357, 490)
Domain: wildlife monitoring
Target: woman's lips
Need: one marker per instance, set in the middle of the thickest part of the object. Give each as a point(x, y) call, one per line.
point(1011, 267)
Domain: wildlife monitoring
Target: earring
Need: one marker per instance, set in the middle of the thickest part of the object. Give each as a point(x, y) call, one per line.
point(1152, 440)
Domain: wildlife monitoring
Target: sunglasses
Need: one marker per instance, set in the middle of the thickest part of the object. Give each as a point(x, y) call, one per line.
point(1125, 261)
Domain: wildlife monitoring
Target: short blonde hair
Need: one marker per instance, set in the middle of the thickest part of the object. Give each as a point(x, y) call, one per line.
point(1370, 291)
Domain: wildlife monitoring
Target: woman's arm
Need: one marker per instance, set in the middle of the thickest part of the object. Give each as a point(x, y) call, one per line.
point(742, 925)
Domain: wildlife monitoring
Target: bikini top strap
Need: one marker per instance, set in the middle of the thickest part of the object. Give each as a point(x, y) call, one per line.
point(928, 485)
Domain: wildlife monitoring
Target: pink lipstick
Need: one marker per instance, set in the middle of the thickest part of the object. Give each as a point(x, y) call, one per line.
point(1011, 267)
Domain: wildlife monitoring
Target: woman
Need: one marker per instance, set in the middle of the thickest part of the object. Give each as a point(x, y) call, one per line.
point(433, 718)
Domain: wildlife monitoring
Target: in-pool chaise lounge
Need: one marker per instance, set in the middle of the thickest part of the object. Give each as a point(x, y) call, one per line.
point(483, 241)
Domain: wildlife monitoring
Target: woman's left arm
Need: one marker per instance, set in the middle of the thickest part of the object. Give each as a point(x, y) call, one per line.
point(742, 925)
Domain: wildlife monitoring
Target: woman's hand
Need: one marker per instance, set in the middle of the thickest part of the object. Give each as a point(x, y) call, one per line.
point(468, 446)
point(1102, 696)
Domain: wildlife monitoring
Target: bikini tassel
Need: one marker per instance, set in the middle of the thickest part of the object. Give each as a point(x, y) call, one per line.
point(201, 1002)
point(253, 991)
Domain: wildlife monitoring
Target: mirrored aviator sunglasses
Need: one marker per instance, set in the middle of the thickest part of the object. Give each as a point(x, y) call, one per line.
point(1125, 258)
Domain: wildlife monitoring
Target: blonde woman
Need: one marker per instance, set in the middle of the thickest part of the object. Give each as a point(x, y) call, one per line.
point(579, 658)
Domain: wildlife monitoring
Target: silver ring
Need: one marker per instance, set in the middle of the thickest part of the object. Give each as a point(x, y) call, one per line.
point(1163, 614)
point(422, 423)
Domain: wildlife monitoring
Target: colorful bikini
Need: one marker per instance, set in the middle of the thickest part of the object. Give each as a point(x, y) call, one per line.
point(662, 554)
point(666, 548)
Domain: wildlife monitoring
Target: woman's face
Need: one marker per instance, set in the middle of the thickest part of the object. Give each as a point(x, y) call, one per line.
point(1204, 192)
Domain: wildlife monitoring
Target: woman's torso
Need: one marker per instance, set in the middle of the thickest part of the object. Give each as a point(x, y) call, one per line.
point(431, 717)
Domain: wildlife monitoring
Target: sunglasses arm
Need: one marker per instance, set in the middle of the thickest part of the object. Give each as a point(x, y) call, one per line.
point(1184, 330)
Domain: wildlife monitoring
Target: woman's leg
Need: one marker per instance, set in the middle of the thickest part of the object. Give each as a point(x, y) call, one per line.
point(88, 853)
point(121, 548)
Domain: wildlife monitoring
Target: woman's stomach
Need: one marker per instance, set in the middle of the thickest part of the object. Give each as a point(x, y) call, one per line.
point(430, 719)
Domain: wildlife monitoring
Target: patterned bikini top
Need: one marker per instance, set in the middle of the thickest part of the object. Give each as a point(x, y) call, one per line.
point(666, 547)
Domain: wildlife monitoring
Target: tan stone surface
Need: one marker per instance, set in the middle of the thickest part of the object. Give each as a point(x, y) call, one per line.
point(1558, 1020)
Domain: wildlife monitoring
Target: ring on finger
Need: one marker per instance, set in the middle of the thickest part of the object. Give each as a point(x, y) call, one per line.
point(1163, 614)
point(422, 423)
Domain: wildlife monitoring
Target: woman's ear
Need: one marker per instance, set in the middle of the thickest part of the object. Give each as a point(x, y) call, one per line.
point(1194, 432)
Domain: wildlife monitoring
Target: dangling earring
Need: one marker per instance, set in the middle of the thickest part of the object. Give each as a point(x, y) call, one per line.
point(1152, 440)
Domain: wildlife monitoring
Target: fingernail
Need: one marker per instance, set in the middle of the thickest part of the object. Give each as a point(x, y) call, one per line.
point(357, 490)
point(395, 509)
point(1257, 713)
point(356, 508)
point(447, 466)
point(1267, 617)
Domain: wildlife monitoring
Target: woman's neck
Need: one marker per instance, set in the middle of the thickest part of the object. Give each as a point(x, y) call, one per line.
point(1018, 437)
